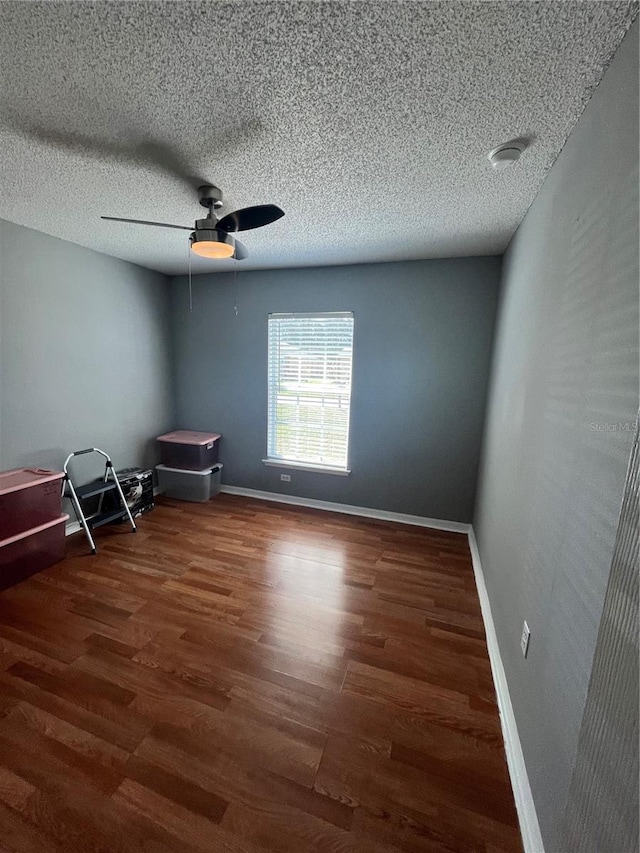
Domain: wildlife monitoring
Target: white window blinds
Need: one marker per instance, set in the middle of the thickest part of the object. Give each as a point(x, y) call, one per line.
point(310, 358)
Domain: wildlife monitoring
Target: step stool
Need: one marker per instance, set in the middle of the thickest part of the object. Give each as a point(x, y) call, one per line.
point(78, 494)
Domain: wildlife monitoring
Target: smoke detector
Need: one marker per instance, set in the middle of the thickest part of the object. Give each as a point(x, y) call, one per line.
point(506, 154)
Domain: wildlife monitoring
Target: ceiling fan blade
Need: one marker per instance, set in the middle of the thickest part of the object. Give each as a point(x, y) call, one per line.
point(144, 222)
point(250, 217)
point(241, 252)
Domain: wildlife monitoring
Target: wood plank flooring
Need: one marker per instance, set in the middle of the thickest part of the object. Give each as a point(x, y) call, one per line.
point(242, 676)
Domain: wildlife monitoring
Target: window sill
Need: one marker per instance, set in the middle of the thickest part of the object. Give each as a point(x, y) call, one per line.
point(307, 466)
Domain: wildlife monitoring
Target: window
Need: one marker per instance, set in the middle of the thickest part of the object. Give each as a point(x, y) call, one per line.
point(309, 378)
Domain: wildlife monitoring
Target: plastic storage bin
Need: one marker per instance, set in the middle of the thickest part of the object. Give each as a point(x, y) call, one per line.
point(31, 551)
point(187, 485)
point(29, 497)
point(194, 451)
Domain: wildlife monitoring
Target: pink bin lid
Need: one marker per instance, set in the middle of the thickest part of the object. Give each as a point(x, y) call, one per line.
point(184, 436)
point(33, 531)
point(24, 478)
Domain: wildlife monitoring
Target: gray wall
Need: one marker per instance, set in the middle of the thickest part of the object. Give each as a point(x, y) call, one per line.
point(84, 353)
point(563, 399)
point(422, 345)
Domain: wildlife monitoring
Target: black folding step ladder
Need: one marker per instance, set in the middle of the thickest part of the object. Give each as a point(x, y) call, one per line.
point(78, 494)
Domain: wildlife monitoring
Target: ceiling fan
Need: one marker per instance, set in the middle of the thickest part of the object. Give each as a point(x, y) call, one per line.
point(212, 237)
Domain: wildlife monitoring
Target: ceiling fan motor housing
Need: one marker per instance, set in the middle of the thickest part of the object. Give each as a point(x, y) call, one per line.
point(208, 224)
point(206, 233)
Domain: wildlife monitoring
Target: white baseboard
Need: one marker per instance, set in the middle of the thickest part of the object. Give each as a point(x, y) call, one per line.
point(347, 509)
point(72, 527)
point(529, 826)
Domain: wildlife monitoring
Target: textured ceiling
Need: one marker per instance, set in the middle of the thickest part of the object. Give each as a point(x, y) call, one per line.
point(368, 123)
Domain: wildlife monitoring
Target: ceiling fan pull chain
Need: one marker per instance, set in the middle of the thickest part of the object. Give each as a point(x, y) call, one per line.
point(235, 289)
point(190, 291)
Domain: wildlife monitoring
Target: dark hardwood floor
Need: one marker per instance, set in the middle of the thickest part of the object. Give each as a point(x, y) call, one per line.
point(243, 676)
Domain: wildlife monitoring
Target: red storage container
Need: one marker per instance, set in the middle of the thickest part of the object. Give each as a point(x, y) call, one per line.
point(28, 497)
point(31, 551)
point(192, 450)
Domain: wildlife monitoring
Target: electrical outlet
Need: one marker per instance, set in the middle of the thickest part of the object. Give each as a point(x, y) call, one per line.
point(286, 478)
point(524, 639)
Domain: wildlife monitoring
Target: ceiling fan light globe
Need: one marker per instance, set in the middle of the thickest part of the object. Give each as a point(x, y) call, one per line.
point(212, 244)
point(208, 249)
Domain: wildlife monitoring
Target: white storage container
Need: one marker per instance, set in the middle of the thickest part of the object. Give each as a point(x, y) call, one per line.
point(187, 485)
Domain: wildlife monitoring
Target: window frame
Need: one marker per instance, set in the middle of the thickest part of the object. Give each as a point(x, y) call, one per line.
point(282, 462)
